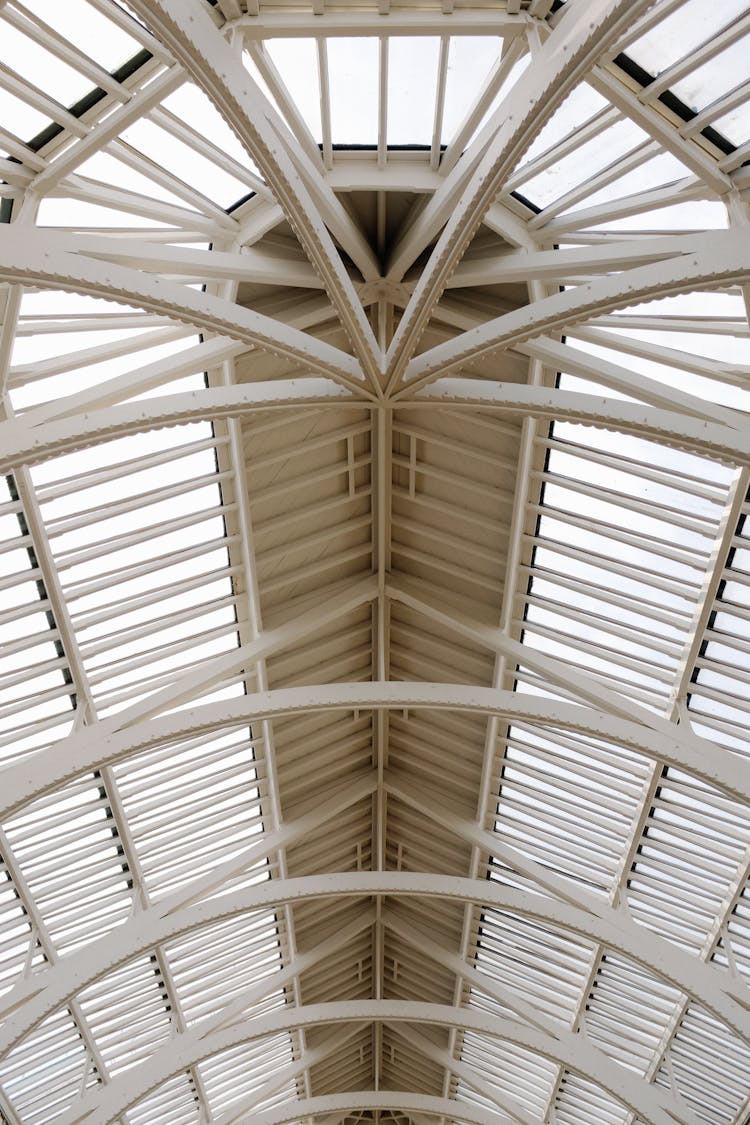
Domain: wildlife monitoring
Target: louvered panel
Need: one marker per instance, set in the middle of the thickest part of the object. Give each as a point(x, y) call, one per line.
point(216, 964)
point(128, 1012)
point(71, 858)
point(44, 1074)
point(175, 1100)
point(506, 1070)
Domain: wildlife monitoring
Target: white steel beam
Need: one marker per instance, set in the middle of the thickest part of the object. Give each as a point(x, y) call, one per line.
point(584, 32)
point(584, 688)
point(244, 1108)
point(251, 264)
point(284, 24)
point(565, 357)
point(25, 444)
point(504, 1104)
point(719, 259)
point(548, 265)
point(657, 124)
point(188, 31)
point(48, 770)
point(684, 431)
point(34, 998)
point(653, 1105)
point(26, 259)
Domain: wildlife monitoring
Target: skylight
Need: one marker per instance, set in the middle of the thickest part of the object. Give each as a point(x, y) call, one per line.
point(396, 686)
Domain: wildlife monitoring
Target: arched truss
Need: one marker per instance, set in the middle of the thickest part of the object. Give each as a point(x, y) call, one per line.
point(25, 444)
point(91, 750)
point(216, 68)
point(27, 259)
point(566, 1048)
point(722, 260)
point(50, 990)
point(462, 194)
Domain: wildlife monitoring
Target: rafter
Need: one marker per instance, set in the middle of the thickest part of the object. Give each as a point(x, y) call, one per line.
point(191, 35)
point(580, 37)
point(653, 1105)
point(721, 259)
point(31, 1001)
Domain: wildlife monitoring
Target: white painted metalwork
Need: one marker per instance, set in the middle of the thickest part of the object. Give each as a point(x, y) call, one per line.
point(374, 563)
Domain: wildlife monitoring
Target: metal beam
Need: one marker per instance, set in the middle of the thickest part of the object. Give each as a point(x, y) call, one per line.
point(584, 32)
point(453, 1066)
point(571, 909)
point(25, 258)
point(282, 24)
point(668, 427)
point(35, 997)
point(23, 444)
point(653, 1105)
point(245, 1107)
point(719, 259)
point(514, 266)
point(189, 32)
point(47, 770)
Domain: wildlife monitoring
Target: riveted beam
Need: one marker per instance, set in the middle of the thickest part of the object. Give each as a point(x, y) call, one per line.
point(190, 34)
point(669, 427)
point(708, 984)
point(25, 258)
point(719, 259)
point(82, 751)
point(581, 36)
point(22, 443)
point(653, 1105)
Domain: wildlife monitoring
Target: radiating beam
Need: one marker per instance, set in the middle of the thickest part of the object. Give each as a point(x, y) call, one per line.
point(25, 258)
point(586, 689)
point(656, 392)
point(721, 259)
point(653, 1105)
point(668, 427)
point(583, 33)
point(515, 266)
point(188, 31)
point(250, 265)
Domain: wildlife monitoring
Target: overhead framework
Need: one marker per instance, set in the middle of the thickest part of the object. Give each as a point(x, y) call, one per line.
point(374, 566)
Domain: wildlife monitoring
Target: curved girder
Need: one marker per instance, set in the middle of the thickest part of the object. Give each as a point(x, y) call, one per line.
point(26, 259)
point(569, 1049)
point(709, 985)
point(584, 32)
point(719, 259)
point(90, 749)
point(683, 431)
point(289, 1113)
point(22, 443)
point(187, 30)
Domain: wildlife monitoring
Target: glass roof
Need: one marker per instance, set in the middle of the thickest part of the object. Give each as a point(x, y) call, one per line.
point(374, 348)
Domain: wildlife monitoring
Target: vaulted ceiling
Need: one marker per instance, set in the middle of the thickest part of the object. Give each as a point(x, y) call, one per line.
point(374, 576)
